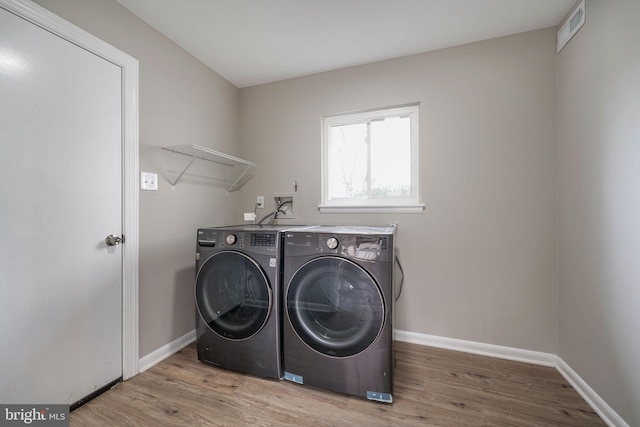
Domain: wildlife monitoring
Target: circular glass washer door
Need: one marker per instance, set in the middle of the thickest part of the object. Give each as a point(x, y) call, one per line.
point(335, 306)
point(233, 295)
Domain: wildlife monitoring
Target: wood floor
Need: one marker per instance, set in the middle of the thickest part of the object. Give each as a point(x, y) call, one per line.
point(432, 387)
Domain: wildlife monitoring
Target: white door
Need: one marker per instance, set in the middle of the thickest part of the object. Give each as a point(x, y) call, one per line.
point(60, 196)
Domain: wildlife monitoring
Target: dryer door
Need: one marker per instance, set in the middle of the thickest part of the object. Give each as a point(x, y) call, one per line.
point(335, 306)
point(233, 295)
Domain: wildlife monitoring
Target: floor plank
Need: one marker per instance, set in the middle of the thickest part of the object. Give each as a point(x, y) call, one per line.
point(432, 387)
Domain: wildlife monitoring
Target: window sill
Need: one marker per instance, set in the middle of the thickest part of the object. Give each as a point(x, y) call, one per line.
point(419, 208)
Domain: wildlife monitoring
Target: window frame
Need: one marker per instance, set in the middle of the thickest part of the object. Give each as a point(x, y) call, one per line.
point(406, 204)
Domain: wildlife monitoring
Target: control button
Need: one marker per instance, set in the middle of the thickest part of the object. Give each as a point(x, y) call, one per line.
point(332, 243)
point(231, 239)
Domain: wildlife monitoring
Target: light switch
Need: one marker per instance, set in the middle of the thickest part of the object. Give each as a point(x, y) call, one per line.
point(148, 181)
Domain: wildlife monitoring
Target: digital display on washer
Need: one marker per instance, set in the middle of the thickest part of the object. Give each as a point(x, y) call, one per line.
point(263, 239)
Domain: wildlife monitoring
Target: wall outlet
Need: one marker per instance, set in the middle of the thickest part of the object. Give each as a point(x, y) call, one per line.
point(287, 203)
point(148, 181)
point(260, 202)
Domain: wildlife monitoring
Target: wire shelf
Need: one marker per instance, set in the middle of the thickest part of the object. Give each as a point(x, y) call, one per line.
point(209, 155)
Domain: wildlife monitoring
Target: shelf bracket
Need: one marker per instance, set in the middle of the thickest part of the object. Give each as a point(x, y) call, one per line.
point(173, 184)
point(232, 187)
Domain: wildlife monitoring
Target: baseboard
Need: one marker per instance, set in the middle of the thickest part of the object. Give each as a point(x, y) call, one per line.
point(608, 415)
point(165, 351)
point(501, 352)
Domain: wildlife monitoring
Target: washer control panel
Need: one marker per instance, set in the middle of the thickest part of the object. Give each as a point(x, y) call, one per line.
point(258, 242)
point(263, 239)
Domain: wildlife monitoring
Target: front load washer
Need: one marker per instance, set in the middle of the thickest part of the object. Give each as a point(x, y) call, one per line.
point(338, 299)
point(238, 299)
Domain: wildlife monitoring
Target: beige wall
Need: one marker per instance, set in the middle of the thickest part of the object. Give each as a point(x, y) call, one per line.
point(181, 102)
point(598, 137)
point(480, 260)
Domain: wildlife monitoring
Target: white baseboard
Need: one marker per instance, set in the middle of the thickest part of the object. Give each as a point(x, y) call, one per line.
point(608, 415)
point(501, 352)
point(165, 351)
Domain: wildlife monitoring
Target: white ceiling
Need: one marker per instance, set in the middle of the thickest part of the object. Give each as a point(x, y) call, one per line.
point(250, 42)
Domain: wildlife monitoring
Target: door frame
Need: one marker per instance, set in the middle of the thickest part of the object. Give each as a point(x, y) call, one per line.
point(130, 162)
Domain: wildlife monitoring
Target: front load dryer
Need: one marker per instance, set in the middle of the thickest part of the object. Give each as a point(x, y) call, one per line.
point(338, 309)
point(237, 299)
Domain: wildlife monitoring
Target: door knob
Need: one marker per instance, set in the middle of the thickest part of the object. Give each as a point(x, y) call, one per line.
point(113, 240)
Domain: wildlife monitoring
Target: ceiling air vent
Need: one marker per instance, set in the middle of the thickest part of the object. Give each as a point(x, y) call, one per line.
point(571, 26)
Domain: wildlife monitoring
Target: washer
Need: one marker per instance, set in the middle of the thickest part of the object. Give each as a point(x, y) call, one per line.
point(338, 294)
point(238, 298)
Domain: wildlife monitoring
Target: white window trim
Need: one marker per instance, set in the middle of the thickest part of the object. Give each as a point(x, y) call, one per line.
point(417, 208)
point(409, 204)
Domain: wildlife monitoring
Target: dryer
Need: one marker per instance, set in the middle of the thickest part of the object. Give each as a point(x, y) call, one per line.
point(238, 298)
point(338, 309)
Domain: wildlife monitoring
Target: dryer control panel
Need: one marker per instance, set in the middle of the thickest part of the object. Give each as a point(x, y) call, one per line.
point(369, 247)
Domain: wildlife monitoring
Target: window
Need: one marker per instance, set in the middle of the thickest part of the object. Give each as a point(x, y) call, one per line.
point(370, 161)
